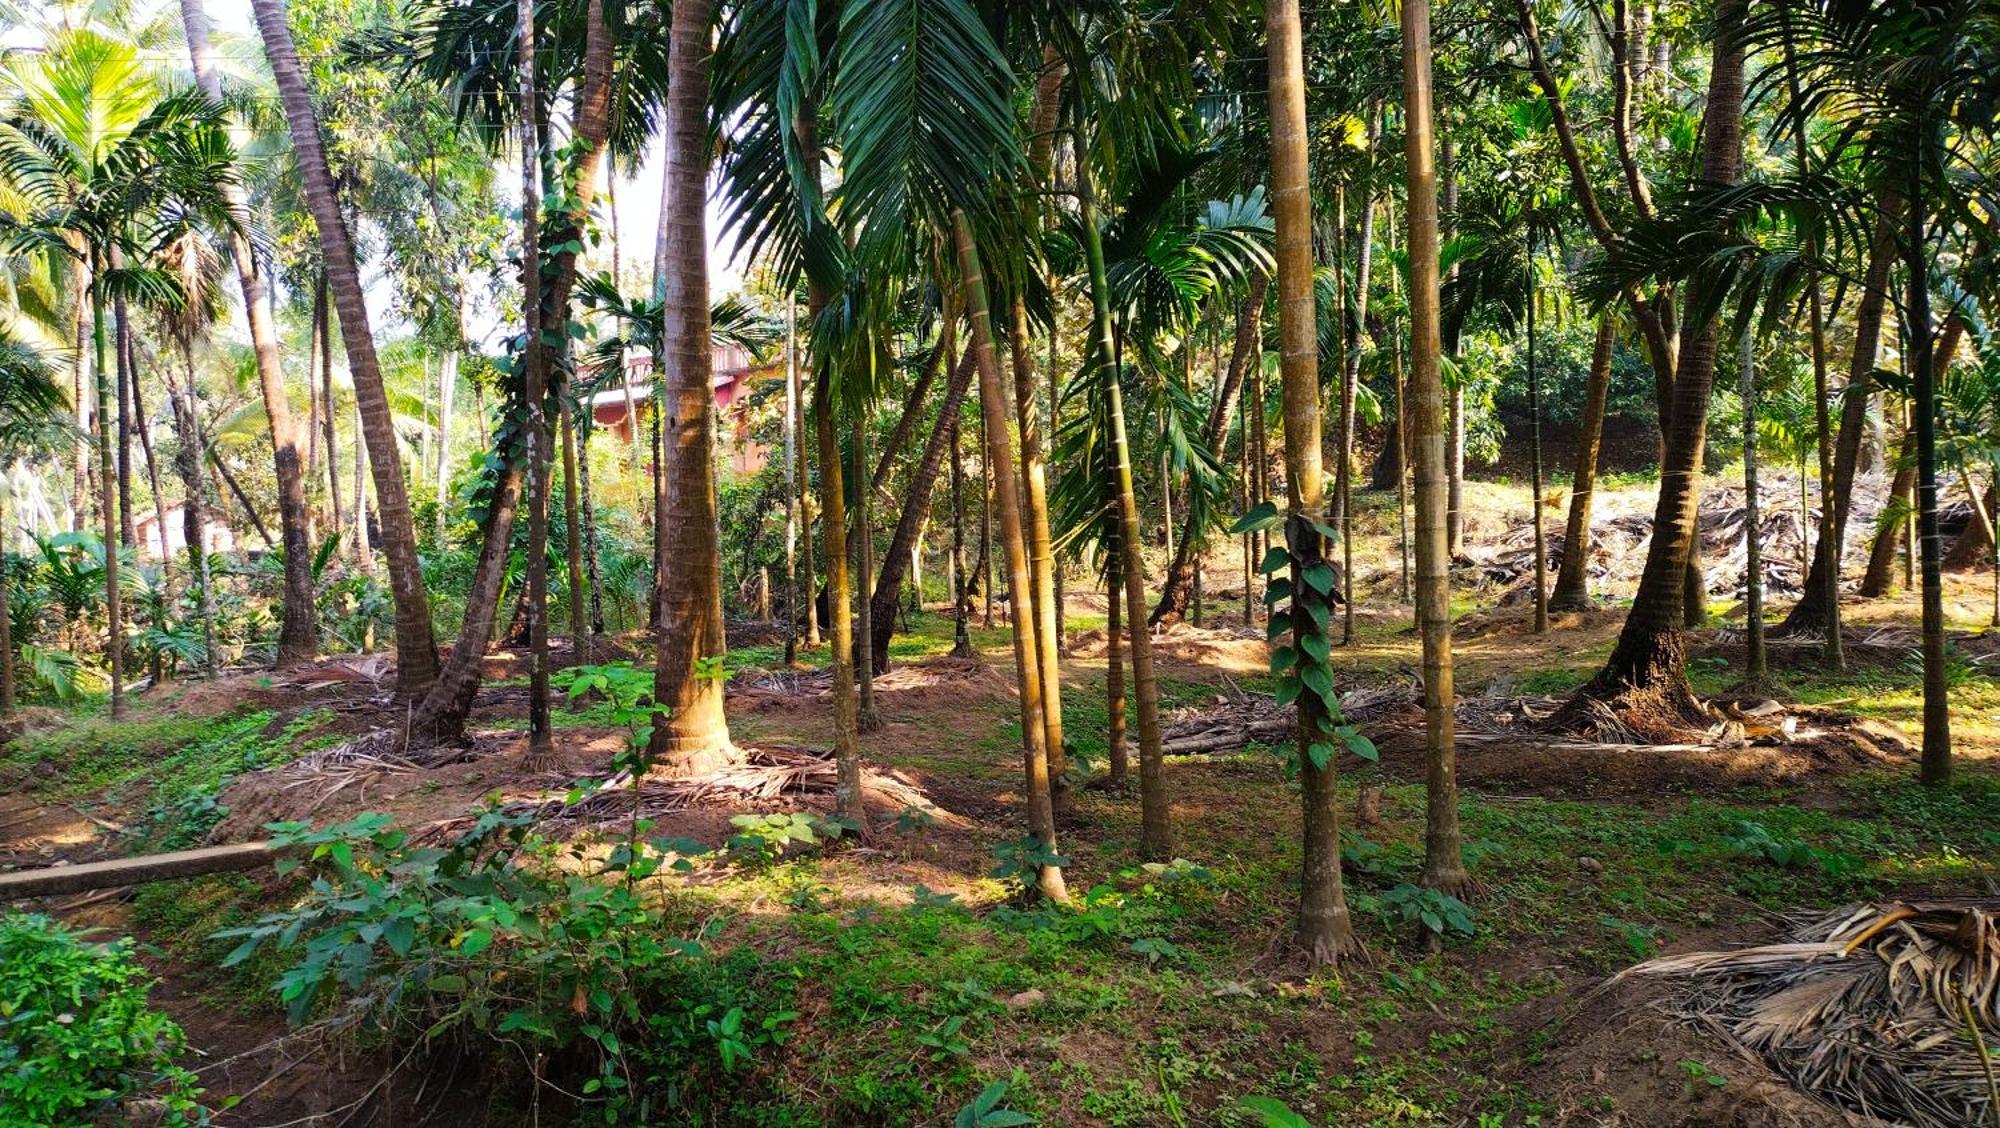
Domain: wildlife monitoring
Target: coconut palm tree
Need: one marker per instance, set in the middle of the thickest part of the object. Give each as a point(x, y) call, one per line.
point(298, 634)
point(416, 648)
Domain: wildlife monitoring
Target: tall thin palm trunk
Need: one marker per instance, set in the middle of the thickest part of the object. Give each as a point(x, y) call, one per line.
point(1936, 760)
point(904, 539)
point(121, 344)
point(6, 607)
point(1829, 527)
point(961, 602)
point(998, 422)
point(1572, 590)
point(840, 617)
point(187, 461)
point(1753, 554)
point(416, 650)
point(794, 472)
point(107, 480)
point(1156, 839)
point(573, 533)
point(1040, 600)
point(535, 361)
point(694, 735)
point(1535, 454)
point(322, 343)
point(864, 546)
point(1444, 865)
point(1324, 929)
point(143, 428)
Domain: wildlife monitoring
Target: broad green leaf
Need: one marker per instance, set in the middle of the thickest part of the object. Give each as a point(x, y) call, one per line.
point(1263, 515)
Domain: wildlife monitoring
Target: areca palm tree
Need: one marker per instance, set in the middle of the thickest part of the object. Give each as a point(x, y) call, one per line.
point(109, 171)
point(416, 648)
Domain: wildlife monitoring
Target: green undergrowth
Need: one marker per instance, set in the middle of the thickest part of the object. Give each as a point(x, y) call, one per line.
point(167, 771)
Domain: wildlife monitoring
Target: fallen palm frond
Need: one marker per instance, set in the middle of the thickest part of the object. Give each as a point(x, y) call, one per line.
point(1882, 1009)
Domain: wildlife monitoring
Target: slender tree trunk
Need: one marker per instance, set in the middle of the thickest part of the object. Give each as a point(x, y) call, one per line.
point(1040, 600)
point(1829, 528)
point(447, 392)
point(1114, 663)
point(840, 620)
point(1349, 380)
point(535, 362)
point(1535, 457)
point(864, 548)
point(364, 552)
point(1880, 578)
point(1753, 554)
point(793, 474)
point(323, 343)
point(805, 605)
point(1248, 350)
point(188, 461)
point(107, 477)
point(80, 398)
point(144, 428)
point(1324, 929)
point(1444, 865)
point(961, 601)
point(694, 735)
point(1572, 591)
point(121, 342)
point(416, 651)
point(579, 590)
point(236, 491)
point(1936, 769)
point(1156, 829)
point(7, 539)
point(1646, 674)
point(998, 421)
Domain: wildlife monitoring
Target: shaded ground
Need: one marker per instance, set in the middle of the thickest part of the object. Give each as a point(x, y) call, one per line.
point(1587, 862)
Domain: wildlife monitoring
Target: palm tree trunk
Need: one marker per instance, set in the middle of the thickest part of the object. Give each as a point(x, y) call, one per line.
point(1572, 590)
point(588, 427)
point(1155, 824)
point(447, 392)
point(1646, 675)
point(794, 473)
point(1880, 577)
point(840, 617)
point(1114, 665)
point(1324, 930)
point(323, 342)
point(1829, 528)
point(803, 605)
point(997, 420)
point(1040, 600)
point(7, 539)
point(961, 602)
point(1535, 456)
point(121, 342)
point(573, 534)
point(416, 650)
point(80, 491)
point(1444, 865)
point(1179, 584)
point(1936, 760)
point(188, 462)
point(694, 736)
point(535, 361)
point(145, 431)
point(1350, 342)
point(114, 608)
point(1753, 554)
point(863, 540)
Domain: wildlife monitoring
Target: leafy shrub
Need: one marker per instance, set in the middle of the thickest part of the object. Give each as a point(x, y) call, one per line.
point(490, 937)
point(76, 1036)
point(1750, 840)
point(1436, 912)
